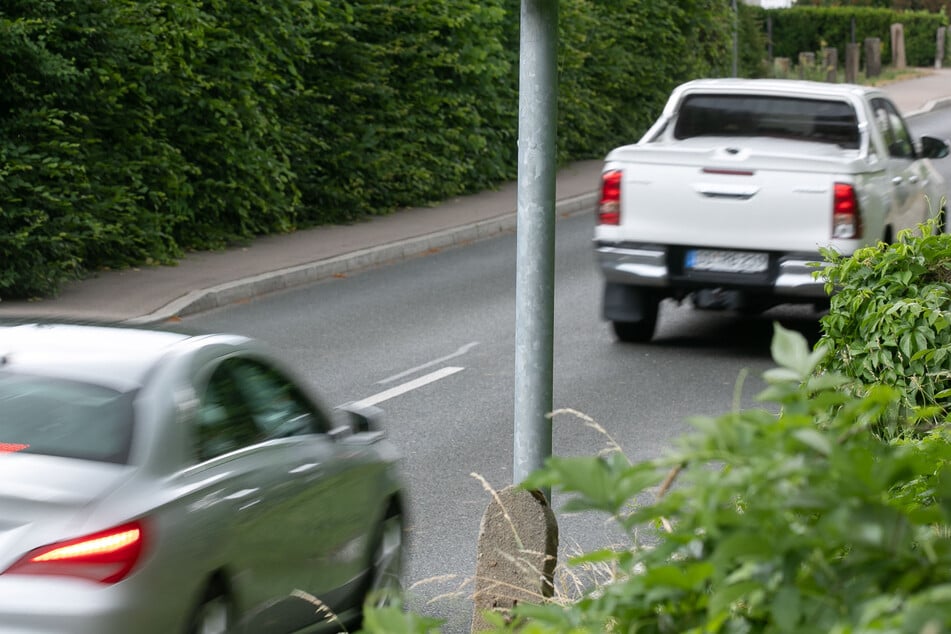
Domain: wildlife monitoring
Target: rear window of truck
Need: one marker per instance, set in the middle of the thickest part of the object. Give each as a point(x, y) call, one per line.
point(816, 120)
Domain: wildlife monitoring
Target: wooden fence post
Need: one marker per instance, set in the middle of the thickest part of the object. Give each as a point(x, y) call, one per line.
point(831, 61)
point(939, 48)
point(898, 47)
point(873, 57)
point(851, 63)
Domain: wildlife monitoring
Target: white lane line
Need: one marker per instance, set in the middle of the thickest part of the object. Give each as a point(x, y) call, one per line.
point(458, 353)
point(409, 386)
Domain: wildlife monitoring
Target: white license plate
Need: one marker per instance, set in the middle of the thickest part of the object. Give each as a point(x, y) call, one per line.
point(726, 261)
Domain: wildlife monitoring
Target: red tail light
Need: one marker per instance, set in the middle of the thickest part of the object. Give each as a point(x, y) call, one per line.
point(106, 557)
point(846, 220)
point(609, 209)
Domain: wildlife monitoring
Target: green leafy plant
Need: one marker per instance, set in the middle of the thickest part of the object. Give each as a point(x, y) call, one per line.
point(775, 524)
point(135, 130)
point(889, 321)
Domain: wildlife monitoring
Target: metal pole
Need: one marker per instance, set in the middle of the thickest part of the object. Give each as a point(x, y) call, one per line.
point(535, 258)
point(736, 38)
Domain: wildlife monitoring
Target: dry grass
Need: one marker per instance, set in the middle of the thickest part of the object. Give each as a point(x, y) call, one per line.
point(571, 582)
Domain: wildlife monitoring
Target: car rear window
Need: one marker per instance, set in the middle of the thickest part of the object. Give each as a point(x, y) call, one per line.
point(819, 120)
point(54, 417)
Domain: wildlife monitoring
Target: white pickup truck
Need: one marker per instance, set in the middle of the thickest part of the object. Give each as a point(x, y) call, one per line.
point(729, 195)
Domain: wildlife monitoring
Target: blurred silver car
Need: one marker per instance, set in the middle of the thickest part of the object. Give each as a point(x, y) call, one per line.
point(158, 482)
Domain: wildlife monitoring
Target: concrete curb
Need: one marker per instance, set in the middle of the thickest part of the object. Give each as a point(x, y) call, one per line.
point(200, 300)
point(935, 104)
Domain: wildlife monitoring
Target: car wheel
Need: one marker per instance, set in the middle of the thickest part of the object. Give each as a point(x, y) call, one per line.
point(387, 564)
point(214, 614)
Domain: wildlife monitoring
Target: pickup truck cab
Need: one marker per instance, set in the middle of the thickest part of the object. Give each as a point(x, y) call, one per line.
point(728, 197)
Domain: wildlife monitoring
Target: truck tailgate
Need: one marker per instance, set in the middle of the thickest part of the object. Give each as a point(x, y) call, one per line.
point(745, 195)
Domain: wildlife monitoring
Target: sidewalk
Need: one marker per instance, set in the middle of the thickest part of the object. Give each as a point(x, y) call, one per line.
point(206, 280)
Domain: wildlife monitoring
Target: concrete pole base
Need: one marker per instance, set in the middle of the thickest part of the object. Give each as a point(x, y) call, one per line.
point(517, 553)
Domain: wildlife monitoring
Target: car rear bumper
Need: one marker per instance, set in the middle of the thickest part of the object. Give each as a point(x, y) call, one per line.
point(789, 275)
point(48, 605)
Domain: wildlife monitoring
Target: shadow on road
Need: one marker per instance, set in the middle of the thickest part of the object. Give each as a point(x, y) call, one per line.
point(732, 333)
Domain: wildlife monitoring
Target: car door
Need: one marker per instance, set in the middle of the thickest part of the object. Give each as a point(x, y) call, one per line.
point(907, 172)
point(251, 478)
point(325, 512)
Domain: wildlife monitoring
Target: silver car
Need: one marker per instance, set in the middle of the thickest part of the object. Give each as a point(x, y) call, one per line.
point(159, 482)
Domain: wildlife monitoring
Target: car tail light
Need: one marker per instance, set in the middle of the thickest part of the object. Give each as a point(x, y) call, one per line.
point(609, 208)
point(846, 220)
point(106, 557)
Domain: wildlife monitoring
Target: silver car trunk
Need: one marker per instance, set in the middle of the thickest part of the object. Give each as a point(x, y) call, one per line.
point(44, 499)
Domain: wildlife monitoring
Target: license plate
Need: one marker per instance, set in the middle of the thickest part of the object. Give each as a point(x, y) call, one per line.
point(726, 261)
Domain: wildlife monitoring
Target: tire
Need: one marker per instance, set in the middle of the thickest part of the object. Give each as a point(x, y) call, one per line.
point(214, 614)
point(385, 585)
point(635, 331)
point(632, 312)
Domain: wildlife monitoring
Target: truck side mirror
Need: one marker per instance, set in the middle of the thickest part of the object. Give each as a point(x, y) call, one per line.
point(932, 147)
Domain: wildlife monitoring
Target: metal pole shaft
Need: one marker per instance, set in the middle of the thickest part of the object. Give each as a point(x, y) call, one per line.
point(736, 39)
point(535, 268)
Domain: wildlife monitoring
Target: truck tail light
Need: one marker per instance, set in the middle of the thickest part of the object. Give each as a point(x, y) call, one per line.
point(609, 208)
point(846, 219)
point(107, 556)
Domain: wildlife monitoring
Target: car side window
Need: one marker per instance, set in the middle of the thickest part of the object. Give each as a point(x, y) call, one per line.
point(893, 128)
point(223, 422)
point(276, 405)
point(247, 402)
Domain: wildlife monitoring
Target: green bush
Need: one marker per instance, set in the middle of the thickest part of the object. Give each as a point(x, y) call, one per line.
point(890, 320)
point(134, 130)
point(620, 59)
point(407, 103)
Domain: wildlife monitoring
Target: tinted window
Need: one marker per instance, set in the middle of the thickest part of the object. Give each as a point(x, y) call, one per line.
point(893, 129)
point(276, 405)
point(64, 418)
point(223, 422)
point(246, 402)
point(786, 118)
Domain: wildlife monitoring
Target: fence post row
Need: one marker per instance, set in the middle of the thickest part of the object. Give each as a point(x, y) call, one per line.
point(873, 55)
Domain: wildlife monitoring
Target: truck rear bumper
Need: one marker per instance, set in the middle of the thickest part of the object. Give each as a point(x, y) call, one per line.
point(789, 275)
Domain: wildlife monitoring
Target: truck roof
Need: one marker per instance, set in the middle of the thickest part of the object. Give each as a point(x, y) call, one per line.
point(791, 87)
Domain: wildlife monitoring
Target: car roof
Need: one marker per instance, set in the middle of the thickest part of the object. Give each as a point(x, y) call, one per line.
point(113, 356)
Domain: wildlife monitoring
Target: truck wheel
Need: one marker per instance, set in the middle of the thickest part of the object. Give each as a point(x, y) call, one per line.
point(634, 331)
point(632, 311)
point(642, 330)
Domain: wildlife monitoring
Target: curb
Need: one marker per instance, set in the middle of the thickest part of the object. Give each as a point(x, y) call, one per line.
point(201, 300)
point(935, 104)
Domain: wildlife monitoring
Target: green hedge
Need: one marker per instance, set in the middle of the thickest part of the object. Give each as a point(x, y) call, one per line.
point(134, 130)
point(809, 29)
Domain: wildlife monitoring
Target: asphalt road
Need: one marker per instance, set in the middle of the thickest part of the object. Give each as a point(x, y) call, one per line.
point(449, 319)
point(431, 342)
